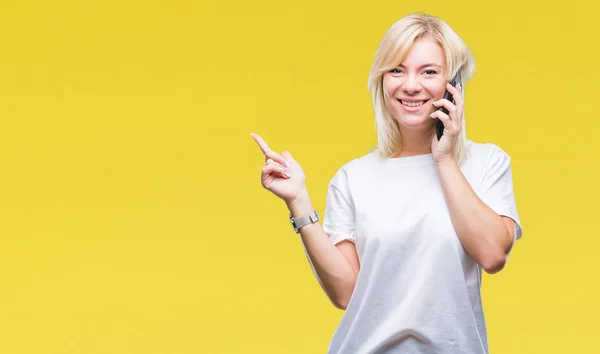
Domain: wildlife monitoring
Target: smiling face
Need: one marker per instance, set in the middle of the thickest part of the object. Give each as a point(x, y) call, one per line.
point(412, 87)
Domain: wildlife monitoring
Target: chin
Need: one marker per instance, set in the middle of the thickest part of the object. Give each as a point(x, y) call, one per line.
point(413, 121)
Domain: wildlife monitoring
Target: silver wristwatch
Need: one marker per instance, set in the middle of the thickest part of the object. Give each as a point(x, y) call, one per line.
point(304, 220)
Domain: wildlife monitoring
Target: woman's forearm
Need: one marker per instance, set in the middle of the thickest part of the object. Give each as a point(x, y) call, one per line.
point(334, 273)
point(482, 232)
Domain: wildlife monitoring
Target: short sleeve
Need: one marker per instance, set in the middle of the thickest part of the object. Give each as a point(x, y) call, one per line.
point(497, 189)
point(339, 217)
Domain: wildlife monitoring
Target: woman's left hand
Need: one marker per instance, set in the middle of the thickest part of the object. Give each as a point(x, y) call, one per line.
point(453, 122)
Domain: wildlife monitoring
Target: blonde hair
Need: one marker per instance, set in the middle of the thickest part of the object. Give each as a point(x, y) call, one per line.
point(392, 50)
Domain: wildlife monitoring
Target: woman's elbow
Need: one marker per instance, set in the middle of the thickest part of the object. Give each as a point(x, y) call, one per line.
point(494, 263)
point(340, 305)
point(341, 300)
point(494, 260)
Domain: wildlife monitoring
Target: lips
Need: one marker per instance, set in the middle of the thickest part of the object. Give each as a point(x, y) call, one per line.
point(412, 103)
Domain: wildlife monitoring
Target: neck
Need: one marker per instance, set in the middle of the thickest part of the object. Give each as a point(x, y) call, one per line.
point(415, 142)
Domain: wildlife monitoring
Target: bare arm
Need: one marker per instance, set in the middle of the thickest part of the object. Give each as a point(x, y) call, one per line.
point(486, 236)
point(336, 267)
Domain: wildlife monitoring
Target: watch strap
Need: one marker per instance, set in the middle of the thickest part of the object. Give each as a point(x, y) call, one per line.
point(302, 221)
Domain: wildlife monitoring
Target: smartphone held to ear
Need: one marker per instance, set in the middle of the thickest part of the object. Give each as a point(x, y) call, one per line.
point(439, 126)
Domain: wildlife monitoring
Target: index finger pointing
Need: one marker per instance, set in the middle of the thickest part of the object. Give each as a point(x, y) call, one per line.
point(269, 154)
point(261, 143)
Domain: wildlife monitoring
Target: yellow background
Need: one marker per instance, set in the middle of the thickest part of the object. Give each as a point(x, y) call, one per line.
point(132, 219)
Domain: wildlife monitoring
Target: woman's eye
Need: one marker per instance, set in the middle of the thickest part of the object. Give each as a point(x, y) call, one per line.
point(430, 72)
point(395, 71)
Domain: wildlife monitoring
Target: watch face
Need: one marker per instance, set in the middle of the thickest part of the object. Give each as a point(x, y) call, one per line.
point(294, 224)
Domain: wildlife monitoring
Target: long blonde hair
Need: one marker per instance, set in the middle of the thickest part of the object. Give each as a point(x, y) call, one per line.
point(392, 50)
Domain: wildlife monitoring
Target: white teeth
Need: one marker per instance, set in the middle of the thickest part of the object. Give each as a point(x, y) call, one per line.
point(412, 104)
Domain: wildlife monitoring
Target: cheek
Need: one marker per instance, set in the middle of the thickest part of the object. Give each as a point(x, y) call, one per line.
point(437, 90)
point(390, 86)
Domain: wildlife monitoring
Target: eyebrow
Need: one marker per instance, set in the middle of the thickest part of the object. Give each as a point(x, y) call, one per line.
point(422, 66)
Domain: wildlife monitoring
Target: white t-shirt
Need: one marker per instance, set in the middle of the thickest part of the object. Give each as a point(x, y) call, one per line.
point(417, 291)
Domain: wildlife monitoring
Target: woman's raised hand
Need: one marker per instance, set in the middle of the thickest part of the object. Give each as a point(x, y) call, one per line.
point(281, 174)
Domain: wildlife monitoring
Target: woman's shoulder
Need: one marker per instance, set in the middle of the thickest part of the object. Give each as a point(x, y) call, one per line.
point(356, 165)
point(366, 161)
point(485, 153)
point(478, 148)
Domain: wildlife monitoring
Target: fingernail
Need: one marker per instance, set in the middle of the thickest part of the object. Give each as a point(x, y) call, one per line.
point(287, 164)
point(288, 174)
point(281, 169)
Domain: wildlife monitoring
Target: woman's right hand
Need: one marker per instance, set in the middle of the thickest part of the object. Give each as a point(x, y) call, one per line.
point(281, 174)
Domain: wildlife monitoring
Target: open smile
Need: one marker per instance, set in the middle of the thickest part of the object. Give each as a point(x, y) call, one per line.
point(412, 103)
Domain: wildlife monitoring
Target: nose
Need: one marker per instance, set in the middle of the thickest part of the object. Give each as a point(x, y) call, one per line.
point(411, 85)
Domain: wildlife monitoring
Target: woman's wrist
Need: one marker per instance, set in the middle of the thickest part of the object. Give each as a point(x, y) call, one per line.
point(300, 205)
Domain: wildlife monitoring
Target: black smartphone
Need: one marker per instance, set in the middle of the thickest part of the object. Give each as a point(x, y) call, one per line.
point(439, 126)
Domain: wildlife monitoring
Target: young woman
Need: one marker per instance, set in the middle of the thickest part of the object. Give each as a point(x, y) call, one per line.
point(408, 228)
